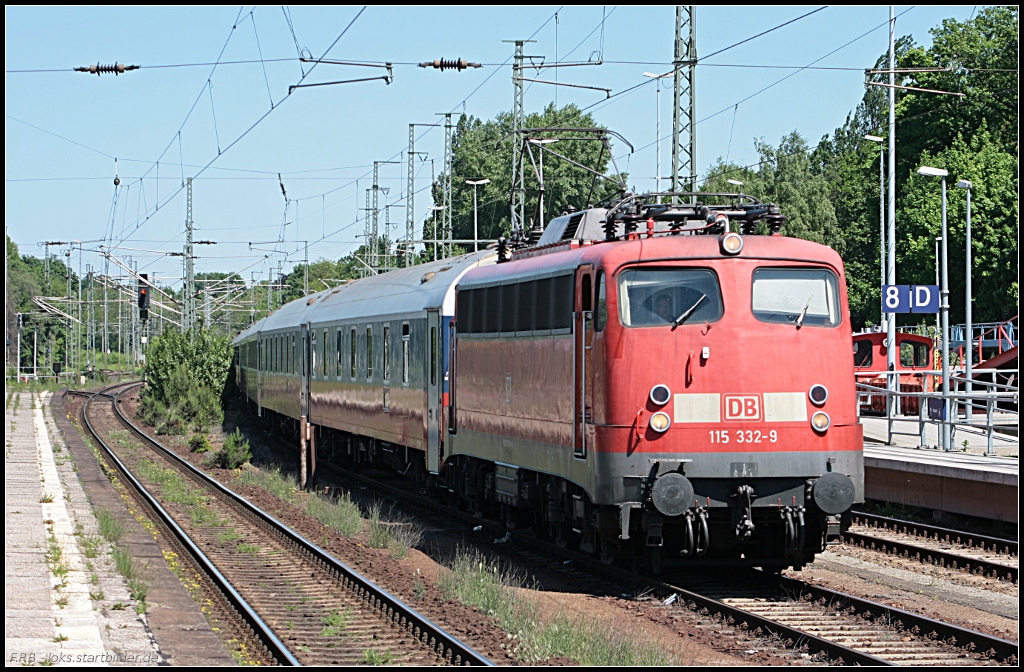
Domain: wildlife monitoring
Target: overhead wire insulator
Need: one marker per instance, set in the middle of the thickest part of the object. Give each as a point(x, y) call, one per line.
point(449, 64)
point(98, 69)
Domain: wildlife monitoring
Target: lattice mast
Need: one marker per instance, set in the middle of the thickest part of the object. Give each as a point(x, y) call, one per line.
point(684, 136)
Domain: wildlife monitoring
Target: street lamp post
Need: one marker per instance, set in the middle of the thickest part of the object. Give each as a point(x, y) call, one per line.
point(477, 183)
point(969, 337)
point(736, 183)
point(657, 140)
point(434, 209)
point(928, 171)
point(540, 142)
point(881, 204)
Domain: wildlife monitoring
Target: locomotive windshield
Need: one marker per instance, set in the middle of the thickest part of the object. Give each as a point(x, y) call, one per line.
point(798, 296)
point(661, 296)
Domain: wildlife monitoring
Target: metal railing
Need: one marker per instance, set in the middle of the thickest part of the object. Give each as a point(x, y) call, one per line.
point(992, 403)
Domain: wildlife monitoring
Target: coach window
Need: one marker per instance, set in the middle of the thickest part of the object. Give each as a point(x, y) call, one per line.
point(352, 351)
point(433, 355)
point(338, 350)
point(312, 349)
point(405, 353)
point(369, 353)
point(325, 368)
point(797, 296)
point(387, 352)
point(291, 356)
point(601, 314)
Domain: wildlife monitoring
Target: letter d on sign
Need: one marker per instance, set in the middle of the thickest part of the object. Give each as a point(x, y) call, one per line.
point(925, 298)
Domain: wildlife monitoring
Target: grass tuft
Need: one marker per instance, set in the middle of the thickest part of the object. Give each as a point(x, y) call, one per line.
point(339, 513)
point(392, 531)
point(111, 528)
point(335, 622)
point(498, 591)
point(282, 486)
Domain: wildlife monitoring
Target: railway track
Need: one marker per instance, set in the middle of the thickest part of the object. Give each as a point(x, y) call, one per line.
point(299, 604)
point(974, 553)
point(765, 610)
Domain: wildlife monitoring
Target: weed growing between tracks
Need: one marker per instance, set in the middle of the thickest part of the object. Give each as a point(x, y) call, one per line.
point(476, 580)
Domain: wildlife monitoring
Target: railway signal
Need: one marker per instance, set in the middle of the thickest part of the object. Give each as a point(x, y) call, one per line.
point(143, 296)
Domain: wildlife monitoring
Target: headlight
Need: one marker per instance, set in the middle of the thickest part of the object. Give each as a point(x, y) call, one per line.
point(731, 243)
point(660, 394)
point(660, 421)
point(818, 395)
point(820, 421)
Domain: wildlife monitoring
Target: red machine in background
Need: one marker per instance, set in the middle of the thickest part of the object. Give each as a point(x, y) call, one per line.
point(870, 356)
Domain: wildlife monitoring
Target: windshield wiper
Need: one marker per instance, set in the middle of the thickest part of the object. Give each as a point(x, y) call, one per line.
point(689, 311)
point(803, 312)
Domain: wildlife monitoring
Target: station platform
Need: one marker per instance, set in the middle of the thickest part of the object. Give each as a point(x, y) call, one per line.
point(965, 482)
point(59, 598)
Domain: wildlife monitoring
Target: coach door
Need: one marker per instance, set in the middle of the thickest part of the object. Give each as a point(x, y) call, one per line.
point(305, 370)
point(432, 369)
point(583, 342)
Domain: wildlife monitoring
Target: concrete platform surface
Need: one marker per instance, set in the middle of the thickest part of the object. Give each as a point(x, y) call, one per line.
point(953, 464)
point(56, 594)
point(963, 483)
point(906, 433)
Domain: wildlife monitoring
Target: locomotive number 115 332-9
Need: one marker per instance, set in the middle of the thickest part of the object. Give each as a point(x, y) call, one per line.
point(743, 436)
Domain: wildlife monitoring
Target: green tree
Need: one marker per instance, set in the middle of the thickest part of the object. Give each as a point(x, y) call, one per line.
point(974, 134)
point(784, 176)
point(204, 354)
point(995, 220)
point(483, 149)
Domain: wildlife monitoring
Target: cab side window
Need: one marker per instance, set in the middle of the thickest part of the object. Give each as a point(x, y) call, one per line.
point(862, 352)
point(601, 313)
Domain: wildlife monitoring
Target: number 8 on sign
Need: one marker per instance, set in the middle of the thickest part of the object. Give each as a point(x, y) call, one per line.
point(896, 298)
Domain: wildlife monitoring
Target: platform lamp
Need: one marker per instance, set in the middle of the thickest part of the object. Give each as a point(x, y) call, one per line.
point(657, 130)
point(969, 337)
point(929, 171)
point(476, 234)
point(881, 203)
point(434, 209)
point(540, 142)
point(736, 183)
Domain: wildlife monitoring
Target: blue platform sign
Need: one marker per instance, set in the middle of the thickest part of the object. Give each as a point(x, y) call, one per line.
point(910, 298)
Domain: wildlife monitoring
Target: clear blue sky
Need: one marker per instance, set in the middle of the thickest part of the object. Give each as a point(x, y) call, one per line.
point(322, 140)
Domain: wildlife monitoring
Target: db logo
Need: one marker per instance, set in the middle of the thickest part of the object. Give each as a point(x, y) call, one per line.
point(742, 407)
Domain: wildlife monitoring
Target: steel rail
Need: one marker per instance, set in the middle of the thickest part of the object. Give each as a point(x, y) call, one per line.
point(970, 539)
point(274, 645)
point(703, 604)
point(437, 639)
point(996, 647)
point(1001, 649)
point(932, 556)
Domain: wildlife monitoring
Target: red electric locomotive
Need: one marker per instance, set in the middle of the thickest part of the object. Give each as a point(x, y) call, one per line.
point(638, 380)
point(645, 382)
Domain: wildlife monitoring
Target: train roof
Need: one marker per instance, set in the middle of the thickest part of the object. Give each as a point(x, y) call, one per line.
point(878, 337)
point(613, 254)
point(401, 291)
